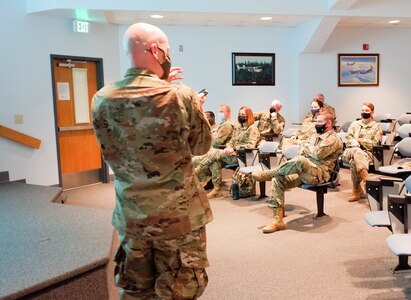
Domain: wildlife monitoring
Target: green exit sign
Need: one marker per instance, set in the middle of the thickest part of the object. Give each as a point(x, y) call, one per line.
point(81, 26)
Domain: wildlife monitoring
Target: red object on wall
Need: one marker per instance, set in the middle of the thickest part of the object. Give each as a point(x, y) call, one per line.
point(365, 46)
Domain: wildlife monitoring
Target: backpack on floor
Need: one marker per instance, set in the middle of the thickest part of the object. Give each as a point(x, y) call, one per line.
point(243, 185)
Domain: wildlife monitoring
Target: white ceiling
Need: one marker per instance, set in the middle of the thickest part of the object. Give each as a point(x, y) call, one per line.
point(239, 13)
point(314, 19)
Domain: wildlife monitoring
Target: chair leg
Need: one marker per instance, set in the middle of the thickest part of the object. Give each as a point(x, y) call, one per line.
point(402, 264)
point(262, 191)
point(320, 203)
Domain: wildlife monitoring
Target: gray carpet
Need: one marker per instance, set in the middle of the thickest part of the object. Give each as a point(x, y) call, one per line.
point(43, 243)
point(335, 257)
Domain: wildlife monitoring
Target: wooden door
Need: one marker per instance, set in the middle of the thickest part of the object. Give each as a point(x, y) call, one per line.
point(75, 81)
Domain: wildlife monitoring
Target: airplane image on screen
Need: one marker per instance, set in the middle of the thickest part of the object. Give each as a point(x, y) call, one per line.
point(256, 69)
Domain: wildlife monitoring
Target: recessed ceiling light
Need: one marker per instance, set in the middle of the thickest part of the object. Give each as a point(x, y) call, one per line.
point(266, 18)
point(157, 16)
point(394, 22)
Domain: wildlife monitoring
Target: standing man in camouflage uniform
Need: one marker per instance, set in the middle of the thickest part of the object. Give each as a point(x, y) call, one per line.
point(148, 128)
point(362, 136)
point(313, 165)
point(270, 122)
point(245, 136)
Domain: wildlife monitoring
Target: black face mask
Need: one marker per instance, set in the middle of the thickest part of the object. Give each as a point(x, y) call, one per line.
point(314, 111)
point(272, 109)
point(165, 65)
point(365, 115)
point(242, 119)
point(320, 128)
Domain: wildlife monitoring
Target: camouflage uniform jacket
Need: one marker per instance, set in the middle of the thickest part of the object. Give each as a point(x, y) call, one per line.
point(224, 132)
point(148, 129)
point(213, 129)
point(269, 124)
point(323, 150)
point(370, 133)
point(244, 137)
point(307, 129)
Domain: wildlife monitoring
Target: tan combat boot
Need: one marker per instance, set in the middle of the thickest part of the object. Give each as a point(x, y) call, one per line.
point(216, 192)
point(278, 223)
point(357, 192)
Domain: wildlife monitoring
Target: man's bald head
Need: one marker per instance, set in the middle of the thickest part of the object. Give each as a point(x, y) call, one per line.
point(277, 105)
point(146, 46)
point(319, 97)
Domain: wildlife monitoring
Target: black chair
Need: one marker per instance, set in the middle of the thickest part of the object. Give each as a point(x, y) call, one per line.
point(399, 208)
point(377, 194)
point(322, 188)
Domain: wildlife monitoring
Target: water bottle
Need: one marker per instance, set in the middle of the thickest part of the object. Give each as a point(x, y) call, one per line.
point(235, 190)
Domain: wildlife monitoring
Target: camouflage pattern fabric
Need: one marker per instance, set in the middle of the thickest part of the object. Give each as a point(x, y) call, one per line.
point(246, 184)
point(302, 134)
point(213, 129)
point(268, 124)
point(223, 134)
point(148, 129)
point(243, 137)
point(306, 129)
point(313, 165)
point(359, 158)
point(184, 260)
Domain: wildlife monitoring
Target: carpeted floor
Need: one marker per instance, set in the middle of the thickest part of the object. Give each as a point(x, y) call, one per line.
point(43, 244)
point(335, 257)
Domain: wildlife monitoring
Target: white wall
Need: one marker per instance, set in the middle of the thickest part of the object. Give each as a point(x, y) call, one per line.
point(206, 61)
point(25, 74)
point(319, 72)
point(25, 81)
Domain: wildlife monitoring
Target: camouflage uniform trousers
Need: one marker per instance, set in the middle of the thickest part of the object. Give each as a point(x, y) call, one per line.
point(358, 160)
point(292, 174)
point(162, 269)
point(213, 163)
point(205, 175)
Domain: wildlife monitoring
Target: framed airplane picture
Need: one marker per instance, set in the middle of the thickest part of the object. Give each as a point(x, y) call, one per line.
point(358, 69)
point(253, 68)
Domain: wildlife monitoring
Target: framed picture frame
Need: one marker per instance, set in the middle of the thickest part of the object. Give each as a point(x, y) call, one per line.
point(253, 68)
point(358, 69)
